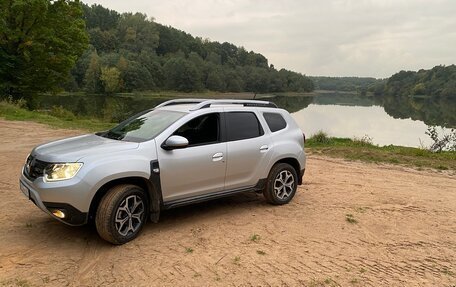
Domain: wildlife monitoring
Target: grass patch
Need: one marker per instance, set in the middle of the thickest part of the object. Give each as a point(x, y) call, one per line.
point(350, 218)
point(188, 250)
point(255, 238)
point(363, 150)
point(57, 117)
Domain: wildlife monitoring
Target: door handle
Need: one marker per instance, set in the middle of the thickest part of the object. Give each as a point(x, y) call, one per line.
point(264, 148)
point(217, 157)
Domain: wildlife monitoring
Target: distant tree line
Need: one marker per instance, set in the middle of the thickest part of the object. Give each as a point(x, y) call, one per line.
point(130, 52)
point(344, 84)
point(439, 81)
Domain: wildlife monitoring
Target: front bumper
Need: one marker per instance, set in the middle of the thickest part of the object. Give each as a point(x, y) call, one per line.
point(73, 216)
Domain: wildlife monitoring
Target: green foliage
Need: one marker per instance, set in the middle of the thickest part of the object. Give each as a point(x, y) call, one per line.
point(320, 137)
point(40, 41)
point(439, 81)
point(151, 56)
point(345, 84)
point(111, 79)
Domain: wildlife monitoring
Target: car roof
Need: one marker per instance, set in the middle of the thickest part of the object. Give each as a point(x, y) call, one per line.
point(190, 105)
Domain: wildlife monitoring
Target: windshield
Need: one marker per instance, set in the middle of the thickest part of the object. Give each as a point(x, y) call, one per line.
point(143, 127)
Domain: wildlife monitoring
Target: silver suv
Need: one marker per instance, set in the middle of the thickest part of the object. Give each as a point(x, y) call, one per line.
point(180, 152)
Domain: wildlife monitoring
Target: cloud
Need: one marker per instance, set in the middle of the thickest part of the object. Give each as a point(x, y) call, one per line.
point(337, 38)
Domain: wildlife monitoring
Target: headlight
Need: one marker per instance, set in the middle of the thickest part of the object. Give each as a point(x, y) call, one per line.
point(61, 171)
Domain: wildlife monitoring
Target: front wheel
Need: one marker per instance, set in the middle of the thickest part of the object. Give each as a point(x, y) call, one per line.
point(281, 185)
point(122, 213)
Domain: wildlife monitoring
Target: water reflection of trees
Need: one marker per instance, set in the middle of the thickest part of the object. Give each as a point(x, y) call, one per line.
point(432, 111)
point(291, 103)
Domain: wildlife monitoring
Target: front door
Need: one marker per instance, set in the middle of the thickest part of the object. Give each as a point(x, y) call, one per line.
point(198, 169)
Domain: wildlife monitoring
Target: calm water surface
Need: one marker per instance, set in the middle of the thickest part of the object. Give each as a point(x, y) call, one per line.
point(387, 120)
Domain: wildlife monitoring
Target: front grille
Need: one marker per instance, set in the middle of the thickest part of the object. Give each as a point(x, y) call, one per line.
point(34, 168)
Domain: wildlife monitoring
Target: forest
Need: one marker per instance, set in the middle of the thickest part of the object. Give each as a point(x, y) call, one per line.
point(130, 52)
point(439, 81)
point(51, 46)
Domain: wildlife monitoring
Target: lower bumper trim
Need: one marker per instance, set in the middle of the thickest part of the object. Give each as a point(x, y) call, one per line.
point(72, 215)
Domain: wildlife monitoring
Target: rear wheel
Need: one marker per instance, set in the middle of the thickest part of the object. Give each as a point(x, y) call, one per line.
point(122, 213)
point(281, 185)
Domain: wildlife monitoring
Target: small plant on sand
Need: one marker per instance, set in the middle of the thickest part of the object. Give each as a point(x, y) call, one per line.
point(28, 225)
point(261, 252)
point(350, 218)
point(322, 283)
point(255, 238)
point(188, 250)
point(196, 275)
point(237, 260)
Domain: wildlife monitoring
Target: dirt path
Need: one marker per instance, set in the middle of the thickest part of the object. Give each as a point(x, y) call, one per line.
point(405, 234)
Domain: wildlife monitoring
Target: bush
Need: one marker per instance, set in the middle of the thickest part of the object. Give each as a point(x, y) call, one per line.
point(443, 141)
point(61, 113)
point(321, 137)
point(363, 141)
point(21, 103)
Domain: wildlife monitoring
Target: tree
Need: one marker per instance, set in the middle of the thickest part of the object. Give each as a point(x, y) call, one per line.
point(40, 41)
point(92, 76)
point(182, 75)
point(111, 79)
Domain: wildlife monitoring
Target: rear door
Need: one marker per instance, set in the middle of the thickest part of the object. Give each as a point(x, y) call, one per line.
point(248, 149)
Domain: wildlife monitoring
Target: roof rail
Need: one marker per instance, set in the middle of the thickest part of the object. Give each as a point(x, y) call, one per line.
point(180, 102)
point(245, 103)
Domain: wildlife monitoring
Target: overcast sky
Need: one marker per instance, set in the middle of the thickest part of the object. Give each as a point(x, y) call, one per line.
point(332, 38)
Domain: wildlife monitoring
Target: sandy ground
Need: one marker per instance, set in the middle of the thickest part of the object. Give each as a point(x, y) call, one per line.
point(405, 233)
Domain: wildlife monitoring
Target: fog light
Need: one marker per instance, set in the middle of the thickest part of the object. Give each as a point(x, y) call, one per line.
point(58, 213)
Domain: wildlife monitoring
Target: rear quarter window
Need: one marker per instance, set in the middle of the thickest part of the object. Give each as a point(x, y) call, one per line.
point(275, 121)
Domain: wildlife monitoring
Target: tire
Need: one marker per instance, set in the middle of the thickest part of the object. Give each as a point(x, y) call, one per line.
point(115, 220)
point(281, 185)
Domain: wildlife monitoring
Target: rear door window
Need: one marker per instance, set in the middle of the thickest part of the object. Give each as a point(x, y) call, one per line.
point(275, 121)
point(242, 125)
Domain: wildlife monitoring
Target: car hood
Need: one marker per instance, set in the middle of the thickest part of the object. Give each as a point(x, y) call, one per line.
point(74, 148)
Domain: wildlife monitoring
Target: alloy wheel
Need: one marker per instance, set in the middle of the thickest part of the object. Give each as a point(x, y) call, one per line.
point(284, 184)
point(129, 215)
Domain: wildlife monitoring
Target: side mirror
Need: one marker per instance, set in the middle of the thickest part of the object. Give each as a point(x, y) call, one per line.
point(175, 142)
